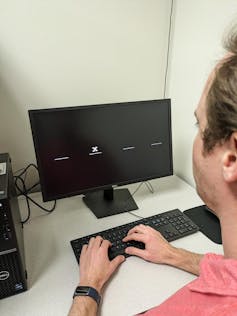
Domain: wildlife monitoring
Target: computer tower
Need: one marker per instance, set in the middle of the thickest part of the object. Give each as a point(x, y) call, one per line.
point(12, 259)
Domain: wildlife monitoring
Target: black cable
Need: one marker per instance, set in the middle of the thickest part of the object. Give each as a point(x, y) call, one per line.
point(168, 48)
point(23, 170)
point(25, 192)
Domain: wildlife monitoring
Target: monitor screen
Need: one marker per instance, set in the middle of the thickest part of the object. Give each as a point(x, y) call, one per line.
point(90, 149)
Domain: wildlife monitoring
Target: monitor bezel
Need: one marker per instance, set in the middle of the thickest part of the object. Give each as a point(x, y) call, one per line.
point(33, 112)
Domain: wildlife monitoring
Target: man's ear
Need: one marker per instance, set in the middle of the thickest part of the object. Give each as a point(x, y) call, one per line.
point(230, 160)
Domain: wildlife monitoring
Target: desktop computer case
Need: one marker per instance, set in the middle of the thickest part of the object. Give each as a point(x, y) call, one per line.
point(12, 259)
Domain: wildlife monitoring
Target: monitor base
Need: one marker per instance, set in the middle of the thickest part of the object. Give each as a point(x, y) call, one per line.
point(106, 202)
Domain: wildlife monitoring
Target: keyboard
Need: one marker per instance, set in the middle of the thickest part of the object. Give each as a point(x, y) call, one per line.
point(172, 225)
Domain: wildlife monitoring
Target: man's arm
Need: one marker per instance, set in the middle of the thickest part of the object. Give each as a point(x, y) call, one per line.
point(185, 260)
point(159, 250)
point(83, 306)
point(95, 270)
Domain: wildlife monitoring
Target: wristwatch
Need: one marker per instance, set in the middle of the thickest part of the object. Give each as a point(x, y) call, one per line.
point(87, 291)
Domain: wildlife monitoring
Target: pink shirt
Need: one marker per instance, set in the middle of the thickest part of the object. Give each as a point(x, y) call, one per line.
point(213, 293)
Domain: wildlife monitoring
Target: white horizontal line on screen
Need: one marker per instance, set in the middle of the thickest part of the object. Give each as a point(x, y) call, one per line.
point(61, 158)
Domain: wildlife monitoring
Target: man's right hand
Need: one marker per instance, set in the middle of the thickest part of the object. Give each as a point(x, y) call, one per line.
point(159, 250)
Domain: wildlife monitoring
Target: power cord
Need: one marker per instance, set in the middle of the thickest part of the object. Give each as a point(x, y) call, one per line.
point(20, 184)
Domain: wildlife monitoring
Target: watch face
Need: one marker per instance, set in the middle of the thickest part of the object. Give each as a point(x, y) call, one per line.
point(87, 291)
point(83, 290)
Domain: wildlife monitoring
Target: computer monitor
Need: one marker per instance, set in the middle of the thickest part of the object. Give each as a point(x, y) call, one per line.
point(91, 149)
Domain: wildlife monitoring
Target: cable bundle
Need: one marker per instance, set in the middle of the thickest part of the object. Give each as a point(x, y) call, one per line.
point(20, 184)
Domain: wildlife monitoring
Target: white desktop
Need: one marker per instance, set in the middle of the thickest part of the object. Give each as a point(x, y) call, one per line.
point(137, 286)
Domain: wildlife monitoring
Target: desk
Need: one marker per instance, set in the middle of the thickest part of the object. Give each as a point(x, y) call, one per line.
point(137, 285)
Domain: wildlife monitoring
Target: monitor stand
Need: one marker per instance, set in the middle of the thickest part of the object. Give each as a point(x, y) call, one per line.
point(110, 202)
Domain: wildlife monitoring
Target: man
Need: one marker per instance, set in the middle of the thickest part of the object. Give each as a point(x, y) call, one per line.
point(214, 292)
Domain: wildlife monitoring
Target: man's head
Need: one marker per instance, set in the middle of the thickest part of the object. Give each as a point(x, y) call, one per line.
point(221, 109)
point(215, 146)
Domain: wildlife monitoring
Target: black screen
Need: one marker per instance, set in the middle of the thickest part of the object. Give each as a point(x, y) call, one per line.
point(85, 148)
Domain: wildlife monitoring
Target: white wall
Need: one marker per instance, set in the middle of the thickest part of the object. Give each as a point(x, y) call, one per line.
point(198, 28)
point(74, 52)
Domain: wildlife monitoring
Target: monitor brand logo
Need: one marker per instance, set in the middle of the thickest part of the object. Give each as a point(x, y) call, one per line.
point(94, 149)
point(4, 275)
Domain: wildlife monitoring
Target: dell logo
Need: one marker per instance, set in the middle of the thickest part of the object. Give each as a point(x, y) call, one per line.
point(4, 275)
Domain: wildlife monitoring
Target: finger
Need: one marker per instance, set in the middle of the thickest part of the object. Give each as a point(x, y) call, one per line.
point(116, 262)
point(106, 244)
point(137, 229)
point(83, 251)
point(135, 236)
point(159, 235)
point(91, 242)
point(136, 252)
point(84, 247)
point(98, 241)
point(152, 230)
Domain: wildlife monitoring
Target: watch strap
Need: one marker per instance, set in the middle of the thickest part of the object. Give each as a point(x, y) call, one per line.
point(87, 291)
